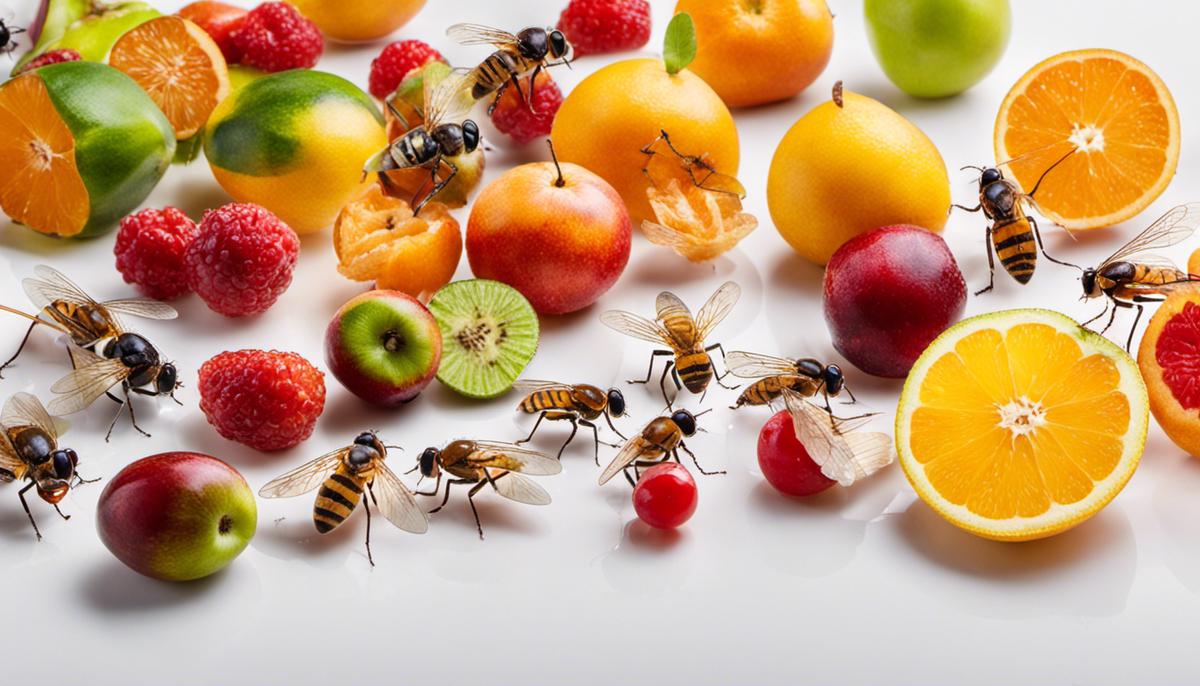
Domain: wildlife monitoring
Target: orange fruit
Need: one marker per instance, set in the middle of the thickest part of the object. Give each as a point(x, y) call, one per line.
point(757, 51)
point(179, 66)
point(610, 116)
point(1169, 357)
point(842, 170)
point(1020, 424)
point(356, 21)
point(1118, 117)
point(377, 238)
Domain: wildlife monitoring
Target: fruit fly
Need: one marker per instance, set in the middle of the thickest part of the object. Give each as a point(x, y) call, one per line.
point(1012, 235)
point(518, 55)
point(579, 404)
point(1133, 275)
point(804, 376)
point(658, 441)
point(674, 326)
point(443, 134)
point(8, 41)
point(342, 476)
point(484, 463)
point(29, 450)
point(699, 170)
point(843, 454)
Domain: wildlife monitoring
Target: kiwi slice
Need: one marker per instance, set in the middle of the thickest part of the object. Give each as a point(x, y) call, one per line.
point(489, 335)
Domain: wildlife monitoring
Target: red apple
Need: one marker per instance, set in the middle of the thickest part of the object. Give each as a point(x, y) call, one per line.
point(561, 238)
point(888, 293)
point(785, 462)
point(177, 516)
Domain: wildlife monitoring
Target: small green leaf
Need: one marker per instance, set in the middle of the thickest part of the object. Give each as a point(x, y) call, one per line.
point(679, 46)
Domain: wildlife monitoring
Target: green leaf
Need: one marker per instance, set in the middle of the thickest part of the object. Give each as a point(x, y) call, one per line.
point(679, 46)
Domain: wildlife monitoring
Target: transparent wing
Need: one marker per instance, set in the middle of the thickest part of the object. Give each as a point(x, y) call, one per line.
point(1178, 224)
point(708, 178)
point(85, 383)
point(24, 409)
point(141, 307)
point(515, 458)
point(50, 286)
point(632, 450)
point(667, 305)
point(304, 478)
point(534, 385)
point(10, 462)
point(478, 34)
point(396, 502)
point(872, 450)
point(828, 449)
point(516, 487)
point(717, 307)
point(449, 100)
point(754, 365)
point(636, 326)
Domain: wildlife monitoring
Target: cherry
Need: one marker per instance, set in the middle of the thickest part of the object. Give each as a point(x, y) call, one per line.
point(665, 496)
point(785, 462)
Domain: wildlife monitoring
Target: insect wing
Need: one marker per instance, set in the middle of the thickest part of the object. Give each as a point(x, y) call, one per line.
point(449, 100)
point(631, 451)
point(754, 365)
point(397, 503)
point(636, 326)
point(1178, 224)
point(145, 308)
point(873, 450)
point(517, 488)
point(478, 34)
point(712, 180)
point(506, 454)
point(535, 385)
point(50, 286)
point(85, 383)
point(24, 409)
point(827, 447)
point(304, 478)
point(12, 467)
point(717, 307)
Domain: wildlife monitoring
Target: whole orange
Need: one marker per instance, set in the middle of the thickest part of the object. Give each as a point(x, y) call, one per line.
point(757, 51)
point(611, 115)
point(357, 21)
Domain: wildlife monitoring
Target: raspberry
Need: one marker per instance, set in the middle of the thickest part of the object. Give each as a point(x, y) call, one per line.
point(512, 115)
point(396, 61)
point(242, 259)
point(149, 249)
point(276, 37)
point(598, 26)
point(51, 57)
point(266, 400)
point(220, 21)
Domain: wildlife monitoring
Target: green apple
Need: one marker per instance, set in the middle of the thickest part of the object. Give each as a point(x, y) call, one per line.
point(937, 48)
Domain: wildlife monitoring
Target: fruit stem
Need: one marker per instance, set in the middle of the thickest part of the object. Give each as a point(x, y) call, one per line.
point(560, 181)
point(392, 341)
point(225, 525)
point(837, 95)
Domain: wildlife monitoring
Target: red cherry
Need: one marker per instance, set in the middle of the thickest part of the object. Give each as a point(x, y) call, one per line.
point(665, 496)
point(784, 460)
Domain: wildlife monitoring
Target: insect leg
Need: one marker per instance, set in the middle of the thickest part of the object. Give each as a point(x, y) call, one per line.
point(721, 349)
point(541, 416)
point(662, 382)
point(696, 462)
point(129, 405)
point(650, 369)
point(532, 85)
point(438, 185)
point(991, 263)
point(1112, 317)
point(367, 507)
point(21, 495)
point(21, 347)
point(964, 207)
point(60, 513)
point(595, 438)
point(608, 418)
point(436, 484)
point(1102, 313)
point(116, 416)
point(1037, 233)
point(574, 429)
point(499, 94)
point(1138, 299)
point(396, 113)
point(471, 500)
point(79, 480)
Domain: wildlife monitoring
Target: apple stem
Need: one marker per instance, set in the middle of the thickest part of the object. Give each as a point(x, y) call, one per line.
point(837, 95)
point(392, 341)
point(560, 182)
point(225, 524)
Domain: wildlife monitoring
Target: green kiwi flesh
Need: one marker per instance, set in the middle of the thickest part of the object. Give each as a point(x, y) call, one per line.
point(489, 335)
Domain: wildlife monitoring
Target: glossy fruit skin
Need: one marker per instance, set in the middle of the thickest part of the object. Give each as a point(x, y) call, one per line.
point(888, 294)
point(666, 496)
point(376, 383)
point(937, 48)
point(176, 516)
point(755, 53)
point(94, 34)
point(357, 21)
point(1167, 358)
point(561, 247)
point(219, 20)
point(611, 115)
point(840, 171)
point(785, 462)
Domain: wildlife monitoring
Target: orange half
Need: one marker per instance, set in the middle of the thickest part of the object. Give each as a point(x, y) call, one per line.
point(1114, 112)
point(179, 66)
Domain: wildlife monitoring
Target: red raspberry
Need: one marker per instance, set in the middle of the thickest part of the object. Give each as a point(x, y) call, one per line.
point(51, 57)
point(276, 37)
point(513, 116)
point(149, 249)
point(598, 26)
point(242, 260)
point(220, 21)
point(396, 61)
point(266, 400)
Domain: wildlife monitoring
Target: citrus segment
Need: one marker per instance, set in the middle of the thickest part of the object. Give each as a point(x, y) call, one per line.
point(1169, 357)
point(40, 183)
point(179, 66)
point(1020, 424)
point(1118, 117)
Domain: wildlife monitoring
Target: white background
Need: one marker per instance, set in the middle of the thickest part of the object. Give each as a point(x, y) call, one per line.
point(857, 586)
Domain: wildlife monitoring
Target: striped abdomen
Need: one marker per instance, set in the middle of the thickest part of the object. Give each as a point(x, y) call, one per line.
point(498, 68)
point(551, 399)
point(695, 370)
point(338, 497)
point(1157, 276)
point(1015, 247)
point(763, 391)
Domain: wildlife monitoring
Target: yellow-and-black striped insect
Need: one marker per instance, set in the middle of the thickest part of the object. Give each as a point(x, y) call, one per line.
point(579, 404)
point(1012, 235)
point(342, 476)
point(675, 327)
point(658, 441)
point(484, 463)
point(517, 55)
point(843, 454)
point(29, 450)
point(1133, 275)
point(805, 376)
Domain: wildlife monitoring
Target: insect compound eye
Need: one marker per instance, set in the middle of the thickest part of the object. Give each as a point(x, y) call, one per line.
point(365, 438)
point(990, 175)
point(685, 420)
point(1088, 280)
point(834, 379)
point(428, 462)
point(558, 44)
point(167, 376)
point(616, 402)
point(470, 135)
point(64, 466)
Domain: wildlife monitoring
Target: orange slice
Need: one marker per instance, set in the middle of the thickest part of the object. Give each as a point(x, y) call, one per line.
point(179, 65)
point(1020, 424)
point(1114, 112)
